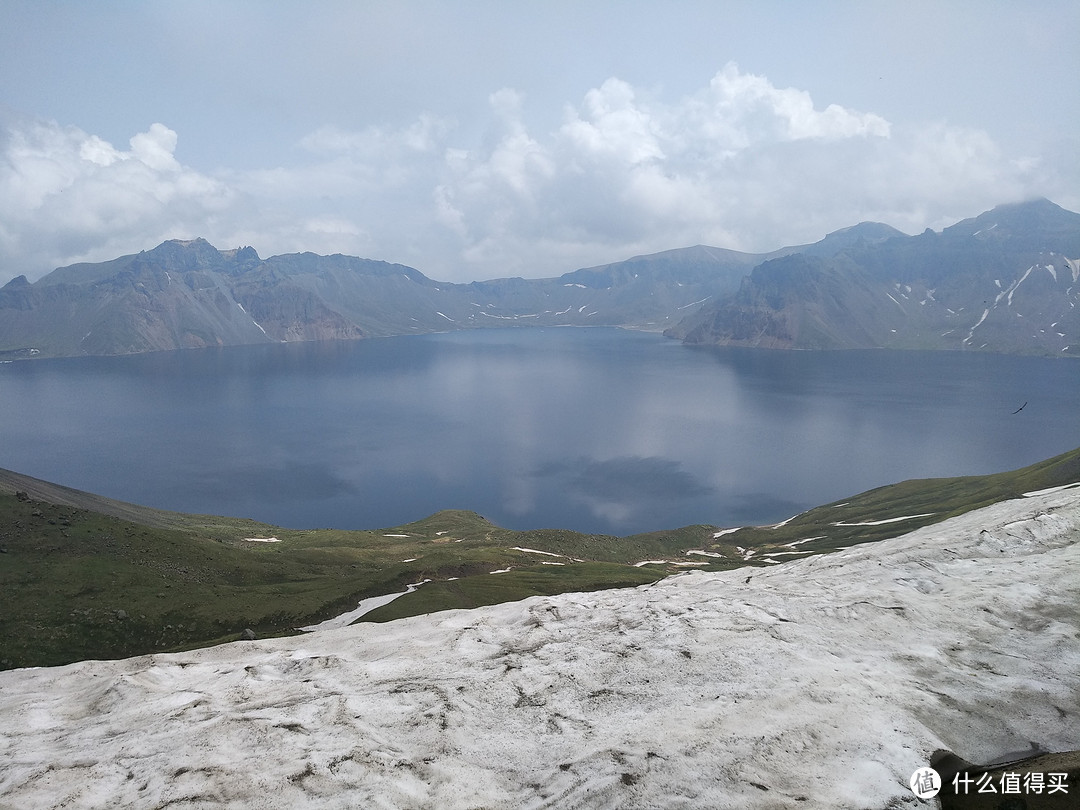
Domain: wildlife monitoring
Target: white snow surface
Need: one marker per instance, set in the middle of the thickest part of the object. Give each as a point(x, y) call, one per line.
point(827, 680)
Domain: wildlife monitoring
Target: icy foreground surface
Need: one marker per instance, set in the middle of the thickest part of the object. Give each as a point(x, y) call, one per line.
point(819, 683)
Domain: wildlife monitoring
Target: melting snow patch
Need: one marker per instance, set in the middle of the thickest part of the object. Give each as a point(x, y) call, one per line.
point(971, 333)
point(534, 551)
point(261, 540)
point(365, 606)
point(722, 532)
point(1051, 489)
point(804, 540)
point(882, 522)
point(783, 523)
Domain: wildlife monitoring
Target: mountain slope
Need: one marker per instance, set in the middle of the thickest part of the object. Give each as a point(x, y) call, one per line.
point(74, 562)
point(823, 682)
point(1005, 281)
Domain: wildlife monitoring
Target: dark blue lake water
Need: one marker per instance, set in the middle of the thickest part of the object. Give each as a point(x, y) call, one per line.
point(590, 429)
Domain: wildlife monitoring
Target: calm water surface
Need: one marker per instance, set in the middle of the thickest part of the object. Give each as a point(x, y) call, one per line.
point(591, 429)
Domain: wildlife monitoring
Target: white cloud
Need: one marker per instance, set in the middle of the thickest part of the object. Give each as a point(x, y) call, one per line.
point(737, 163)
point(612, 124)
point(749, 109)
point(740, 163)
point(66, 196)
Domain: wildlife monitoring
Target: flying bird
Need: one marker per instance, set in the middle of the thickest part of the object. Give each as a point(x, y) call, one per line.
point(1020, 408)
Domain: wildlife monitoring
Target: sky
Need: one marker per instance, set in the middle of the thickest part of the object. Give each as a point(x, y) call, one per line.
point(475, 139)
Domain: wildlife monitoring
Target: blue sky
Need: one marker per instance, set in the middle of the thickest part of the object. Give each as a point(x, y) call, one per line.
point(484, 139)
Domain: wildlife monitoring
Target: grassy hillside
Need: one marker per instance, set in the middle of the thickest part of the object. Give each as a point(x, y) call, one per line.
point(83, 576)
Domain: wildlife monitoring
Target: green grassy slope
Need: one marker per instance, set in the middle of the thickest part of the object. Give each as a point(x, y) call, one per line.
point(82, 576)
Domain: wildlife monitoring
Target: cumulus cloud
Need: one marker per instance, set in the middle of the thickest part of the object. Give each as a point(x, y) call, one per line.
point(66, 195)
point(739, 163)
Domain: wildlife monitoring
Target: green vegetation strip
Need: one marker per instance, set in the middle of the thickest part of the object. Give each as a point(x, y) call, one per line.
point(82, 576)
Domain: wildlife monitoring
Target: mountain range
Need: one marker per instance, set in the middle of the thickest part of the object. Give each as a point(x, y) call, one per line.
point(1004, 281)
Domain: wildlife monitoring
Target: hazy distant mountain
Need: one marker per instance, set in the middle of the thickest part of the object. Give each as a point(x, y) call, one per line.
point(1005, 281)
point(185, 294)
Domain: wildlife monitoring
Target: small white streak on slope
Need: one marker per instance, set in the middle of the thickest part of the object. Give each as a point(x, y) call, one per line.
point(252, 319)
point(971, 332)
point(1074, 265)
point(804, 540)
point(445, 316)
point(535, 551)
point(1012, 289)
point(783, 523)
point(722, 532)
point(896, 302)
point(882, 522)
point(1053, 272)
point(695, 303)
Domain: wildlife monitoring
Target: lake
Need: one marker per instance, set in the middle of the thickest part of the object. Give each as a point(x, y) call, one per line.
point(598, 430)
